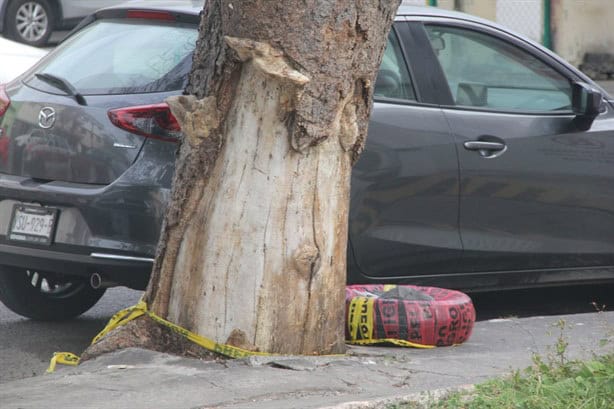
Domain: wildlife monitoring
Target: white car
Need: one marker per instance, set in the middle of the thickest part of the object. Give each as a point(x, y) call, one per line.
point(16, 58)
point(32, 21)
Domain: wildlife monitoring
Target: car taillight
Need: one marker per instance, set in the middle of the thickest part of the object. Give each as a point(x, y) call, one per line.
point(5, 101)
point(152, 121)
point(150, 15)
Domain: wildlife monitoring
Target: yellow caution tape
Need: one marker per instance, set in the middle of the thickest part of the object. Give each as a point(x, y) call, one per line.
point(122, 317)
point(64, 358)
point(360, 322)
point(128, 314)
point(223, 349)
point(399, 342)
point(360, 325)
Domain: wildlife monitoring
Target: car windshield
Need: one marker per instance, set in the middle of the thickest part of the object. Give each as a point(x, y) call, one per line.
point(124, 56)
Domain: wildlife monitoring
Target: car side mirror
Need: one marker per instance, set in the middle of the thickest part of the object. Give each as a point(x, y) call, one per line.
point(586, 103)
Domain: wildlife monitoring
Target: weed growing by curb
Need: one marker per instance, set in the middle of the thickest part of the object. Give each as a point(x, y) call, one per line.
point(551, 382)
point(545, 385)
point(587, 385)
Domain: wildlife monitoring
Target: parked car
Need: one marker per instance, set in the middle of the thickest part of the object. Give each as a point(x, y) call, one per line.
point(32, 21)
point(16, 58)
point(490, 161)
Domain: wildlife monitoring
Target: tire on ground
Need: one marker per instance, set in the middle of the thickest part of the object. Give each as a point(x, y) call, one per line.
point(44, 8)
point(46, 296)
point(407, 315)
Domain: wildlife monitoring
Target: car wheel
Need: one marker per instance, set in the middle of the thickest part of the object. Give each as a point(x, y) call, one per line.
point(29, 21)
point(46, 296)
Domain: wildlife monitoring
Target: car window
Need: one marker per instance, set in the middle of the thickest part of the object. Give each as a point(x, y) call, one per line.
point(125, 56)
point(485, 71)
point(393, 79)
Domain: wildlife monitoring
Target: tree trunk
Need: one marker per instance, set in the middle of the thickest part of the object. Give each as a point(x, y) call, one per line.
point(253, 248)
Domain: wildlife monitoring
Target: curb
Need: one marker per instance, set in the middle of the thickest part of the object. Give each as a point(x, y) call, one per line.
point(422, 399)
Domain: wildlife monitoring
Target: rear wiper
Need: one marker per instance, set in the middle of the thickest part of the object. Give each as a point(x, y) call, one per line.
point(62, 84)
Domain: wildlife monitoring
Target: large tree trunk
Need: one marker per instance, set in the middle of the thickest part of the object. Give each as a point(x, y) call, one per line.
point(253, 249)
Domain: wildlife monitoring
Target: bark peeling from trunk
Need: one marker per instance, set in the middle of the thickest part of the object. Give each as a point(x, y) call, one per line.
point(253, 248)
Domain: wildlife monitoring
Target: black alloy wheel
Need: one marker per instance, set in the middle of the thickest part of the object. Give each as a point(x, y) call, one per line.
point(46, 296)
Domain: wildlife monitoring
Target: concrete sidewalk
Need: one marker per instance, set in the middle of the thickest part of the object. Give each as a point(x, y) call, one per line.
point(369, 377)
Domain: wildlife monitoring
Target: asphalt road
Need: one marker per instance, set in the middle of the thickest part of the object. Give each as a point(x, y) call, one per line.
point(26, 346)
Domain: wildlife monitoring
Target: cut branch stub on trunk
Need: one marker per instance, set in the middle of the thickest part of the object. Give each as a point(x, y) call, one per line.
point(197, 117)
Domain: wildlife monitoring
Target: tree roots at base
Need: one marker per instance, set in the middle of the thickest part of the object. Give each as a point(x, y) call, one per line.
point(146, 334)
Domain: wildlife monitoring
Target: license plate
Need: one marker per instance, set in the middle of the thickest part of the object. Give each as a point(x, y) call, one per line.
point(33, 224)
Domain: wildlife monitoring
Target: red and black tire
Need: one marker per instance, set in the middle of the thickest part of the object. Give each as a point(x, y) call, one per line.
point(422, 316)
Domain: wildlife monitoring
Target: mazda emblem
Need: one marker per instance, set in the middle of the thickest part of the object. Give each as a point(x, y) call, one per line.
point(46, 117)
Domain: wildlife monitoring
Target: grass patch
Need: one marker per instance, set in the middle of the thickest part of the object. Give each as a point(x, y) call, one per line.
point(574, 384)
point(578, 385)
point(554, 382)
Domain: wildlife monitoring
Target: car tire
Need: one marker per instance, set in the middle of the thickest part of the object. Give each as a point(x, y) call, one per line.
point(29, 21)
point(46, 296)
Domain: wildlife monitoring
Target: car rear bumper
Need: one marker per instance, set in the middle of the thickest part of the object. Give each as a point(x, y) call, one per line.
point(110, 229)
point(124, 269)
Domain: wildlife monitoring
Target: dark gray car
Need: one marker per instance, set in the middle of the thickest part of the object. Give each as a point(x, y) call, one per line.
point(490, 161)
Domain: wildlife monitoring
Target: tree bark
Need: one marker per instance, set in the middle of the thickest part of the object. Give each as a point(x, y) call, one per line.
point(253, 248)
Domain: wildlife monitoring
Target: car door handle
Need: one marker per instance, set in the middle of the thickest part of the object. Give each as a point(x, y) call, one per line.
point(483, 145)
point(486, 149)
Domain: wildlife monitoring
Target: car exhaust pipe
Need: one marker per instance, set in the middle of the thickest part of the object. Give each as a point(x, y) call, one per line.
point(97, 281)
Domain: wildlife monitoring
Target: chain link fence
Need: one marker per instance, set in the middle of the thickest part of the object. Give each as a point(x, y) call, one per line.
point(527, 17)
point(523, 16)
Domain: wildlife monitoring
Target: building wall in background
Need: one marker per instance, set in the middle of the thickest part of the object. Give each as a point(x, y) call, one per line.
point(485, 9)
point(582, 26)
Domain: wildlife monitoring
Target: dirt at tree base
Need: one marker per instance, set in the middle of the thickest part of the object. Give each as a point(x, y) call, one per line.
point(147, 334)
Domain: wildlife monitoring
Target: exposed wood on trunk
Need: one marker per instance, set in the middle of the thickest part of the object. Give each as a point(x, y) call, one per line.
point(253, 249)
